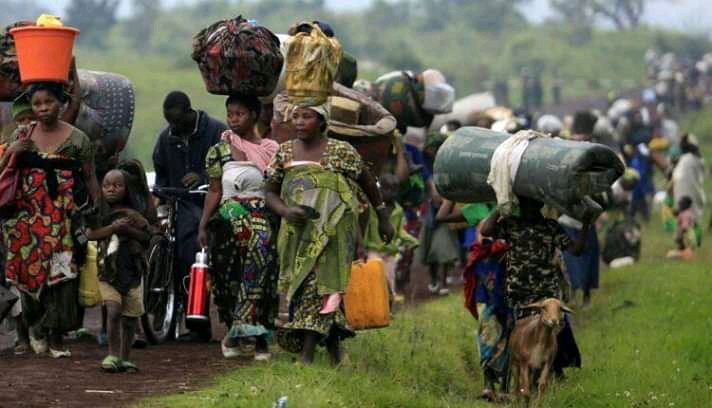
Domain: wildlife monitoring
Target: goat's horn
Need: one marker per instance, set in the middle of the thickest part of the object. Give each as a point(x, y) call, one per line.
point(532, 305)
point(566, 309)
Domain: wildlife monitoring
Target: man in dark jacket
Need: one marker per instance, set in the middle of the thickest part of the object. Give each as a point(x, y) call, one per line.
point(179, 161)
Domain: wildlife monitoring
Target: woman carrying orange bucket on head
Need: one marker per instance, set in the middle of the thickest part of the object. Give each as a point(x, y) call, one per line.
point(44, 51)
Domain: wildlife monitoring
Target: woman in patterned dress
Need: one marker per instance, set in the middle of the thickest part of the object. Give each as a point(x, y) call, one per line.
point(312, 184)
point(241, 236)
point(56, 164)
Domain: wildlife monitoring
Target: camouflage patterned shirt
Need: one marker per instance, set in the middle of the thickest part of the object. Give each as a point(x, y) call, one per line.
point(533, 270)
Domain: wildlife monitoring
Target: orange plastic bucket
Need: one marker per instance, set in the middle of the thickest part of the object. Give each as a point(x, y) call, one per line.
point(44, 53)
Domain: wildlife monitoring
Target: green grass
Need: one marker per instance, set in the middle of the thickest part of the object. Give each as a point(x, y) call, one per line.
point(654, 353)
point(646, 342)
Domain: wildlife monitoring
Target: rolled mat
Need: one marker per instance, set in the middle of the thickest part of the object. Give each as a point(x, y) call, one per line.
point(558, 172)
point(107, 111)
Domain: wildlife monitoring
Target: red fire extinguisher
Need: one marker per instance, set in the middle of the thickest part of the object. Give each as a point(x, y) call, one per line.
point(198, 297)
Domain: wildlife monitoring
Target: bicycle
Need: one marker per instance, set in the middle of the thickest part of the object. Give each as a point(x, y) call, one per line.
point(165, 295)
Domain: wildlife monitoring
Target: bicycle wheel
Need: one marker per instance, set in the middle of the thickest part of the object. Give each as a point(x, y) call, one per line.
point(159, 299)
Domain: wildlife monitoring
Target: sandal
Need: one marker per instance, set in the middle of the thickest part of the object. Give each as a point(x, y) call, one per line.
point(229, 352)
point(127, 366)
point(262, 356)
point(59, 353)
point(39, 346)
point(21, 349)
point(111, 364)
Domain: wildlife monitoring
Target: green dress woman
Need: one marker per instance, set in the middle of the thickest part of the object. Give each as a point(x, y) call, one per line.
point(312, 184)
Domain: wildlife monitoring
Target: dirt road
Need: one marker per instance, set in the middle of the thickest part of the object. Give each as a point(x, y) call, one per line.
point(174, 367)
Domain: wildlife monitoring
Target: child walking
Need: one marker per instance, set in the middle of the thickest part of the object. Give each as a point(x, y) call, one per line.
point(686, 236)
point(123, 233)
point(389, 252)
point(484, 276)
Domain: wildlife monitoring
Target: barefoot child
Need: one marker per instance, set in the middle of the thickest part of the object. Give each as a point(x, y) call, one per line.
point(123, 232)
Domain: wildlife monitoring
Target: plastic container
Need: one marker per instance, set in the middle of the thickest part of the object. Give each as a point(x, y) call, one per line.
point(44, 53)
point(198, 310)
point(89, 295)
point(366, 300)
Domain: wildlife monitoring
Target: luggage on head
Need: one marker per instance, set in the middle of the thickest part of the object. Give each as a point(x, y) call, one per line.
point(312, 63)
point(45, 50)
point(348, 70)
point(402, 94)
point(237, 56)
point(439, 96)
point(414, 99)
point(562, 173)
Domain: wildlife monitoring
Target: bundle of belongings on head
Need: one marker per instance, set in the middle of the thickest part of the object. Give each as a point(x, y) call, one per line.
point(237, 56)
point(480, 165)
point(314, 59)
point(414, 99)
point(348, 70)
point(312, 63)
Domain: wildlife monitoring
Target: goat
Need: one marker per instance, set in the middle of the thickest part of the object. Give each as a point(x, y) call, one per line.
point(533, 345)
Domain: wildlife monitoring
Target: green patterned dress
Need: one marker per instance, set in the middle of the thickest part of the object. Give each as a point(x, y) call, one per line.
point(315, 258)
point(242, 246)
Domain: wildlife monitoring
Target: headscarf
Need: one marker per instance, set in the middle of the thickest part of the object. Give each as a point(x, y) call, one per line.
point(324, 110)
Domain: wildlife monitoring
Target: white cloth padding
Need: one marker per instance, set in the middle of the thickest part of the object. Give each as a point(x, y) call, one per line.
point(504, 166)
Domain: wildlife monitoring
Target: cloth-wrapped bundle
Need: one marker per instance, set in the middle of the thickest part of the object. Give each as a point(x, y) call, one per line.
point(402, 94)
point(414, 99)
point(560, 173)
point(312, 63)
point(107, 111)
point(235, 56)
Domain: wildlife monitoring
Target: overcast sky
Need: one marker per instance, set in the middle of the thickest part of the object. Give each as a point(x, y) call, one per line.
point(686, 15)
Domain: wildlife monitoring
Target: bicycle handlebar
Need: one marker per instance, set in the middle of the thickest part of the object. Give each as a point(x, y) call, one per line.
point(177, 192)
